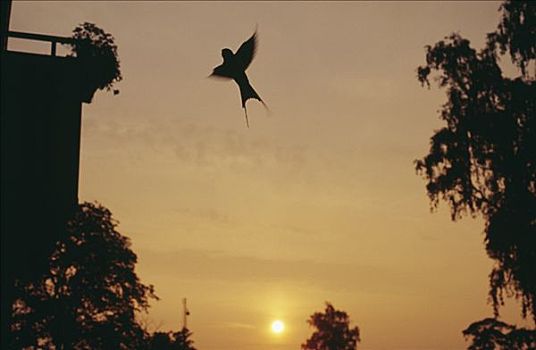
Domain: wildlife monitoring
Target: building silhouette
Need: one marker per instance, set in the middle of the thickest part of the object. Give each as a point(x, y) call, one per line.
point(41, 106)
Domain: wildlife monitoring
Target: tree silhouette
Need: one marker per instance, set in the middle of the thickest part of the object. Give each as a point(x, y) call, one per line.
point(89, 296)
point(333, 331)
point(180, 340)
point(484, 160)
point(489, 334)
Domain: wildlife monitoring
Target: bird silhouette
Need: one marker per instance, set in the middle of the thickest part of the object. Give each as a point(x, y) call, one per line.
point(234, 67)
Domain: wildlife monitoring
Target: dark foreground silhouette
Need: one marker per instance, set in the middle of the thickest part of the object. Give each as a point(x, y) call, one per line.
point(234, 67)
point(89, 294)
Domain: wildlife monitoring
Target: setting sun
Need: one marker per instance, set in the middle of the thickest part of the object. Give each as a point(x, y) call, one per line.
point(278, 326)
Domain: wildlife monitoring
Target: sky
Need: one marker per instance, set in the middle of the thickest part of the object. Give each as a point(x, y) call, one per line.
point(317, 201)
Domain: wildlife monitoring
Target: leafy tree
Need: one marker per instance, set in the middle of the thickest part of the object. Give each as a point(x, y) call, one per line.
point(89, 296)
point(517, 32)
point(490, 334)
point(333, 331)
point(172, 341)
point(483, 162)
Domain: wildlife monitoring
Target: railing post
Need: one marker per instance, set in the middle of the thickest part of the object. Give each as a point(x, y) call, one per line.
point(53, 48)
point(5, 12)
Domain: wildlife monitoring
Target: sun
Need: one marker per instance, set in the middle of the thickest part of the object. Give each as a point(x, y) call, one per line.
point(278, 326)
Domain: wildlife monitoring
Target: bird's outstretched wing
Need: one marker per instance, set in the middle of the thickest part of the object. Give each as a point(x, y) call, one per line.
point(222, 71)
point(246, 52)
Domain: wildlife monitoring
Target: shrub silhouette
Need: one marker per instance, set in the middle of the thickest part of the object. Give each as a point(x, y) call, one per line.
point(98, 55)
point(180, 340)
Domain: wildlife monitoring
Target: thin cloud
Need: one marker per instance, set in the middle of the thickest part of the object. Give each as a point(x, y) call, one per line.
point(201, 265)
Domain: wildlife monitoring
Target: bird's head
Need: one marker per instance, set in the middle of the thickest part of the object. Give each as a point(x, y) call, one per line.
point(226, 54)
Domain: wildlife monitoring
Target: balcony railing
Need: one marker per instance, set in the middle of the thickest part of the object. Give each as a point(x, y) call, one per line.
point(54, 40)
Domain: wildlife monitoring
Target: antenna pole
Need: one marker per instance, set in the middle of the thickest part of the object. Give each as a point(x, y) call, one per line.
point(185, 314)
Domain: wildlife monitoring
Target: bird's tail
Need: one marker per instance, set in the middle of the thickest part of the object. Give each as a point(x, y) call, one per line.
point(246, 92)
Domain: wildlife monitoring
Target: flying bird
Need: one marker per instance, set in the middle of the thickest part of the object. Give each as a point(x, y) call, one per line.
point(234, 67)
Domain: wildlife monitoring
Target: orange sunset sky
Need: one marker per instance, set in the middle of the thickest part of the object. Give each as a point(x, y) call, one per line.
point(318, 201)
